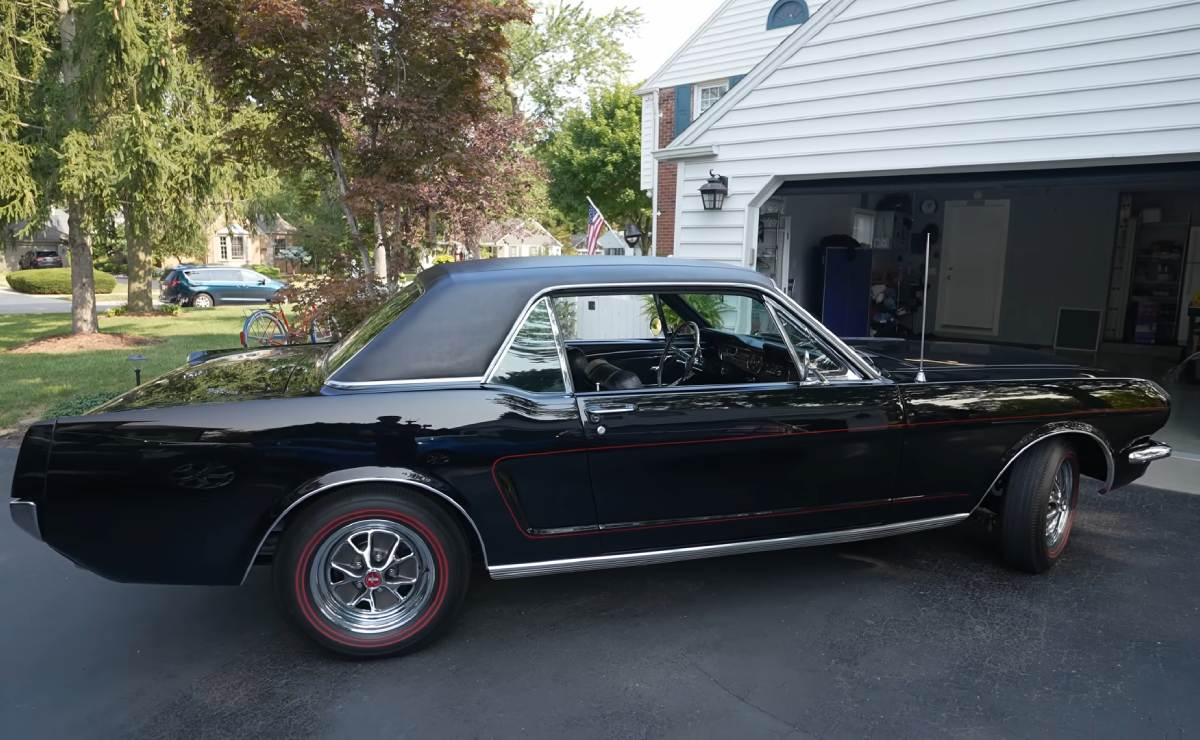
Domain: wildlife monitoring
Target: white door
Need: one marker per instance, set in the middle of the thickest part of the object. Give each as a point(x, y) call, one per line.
point(974, 240)
point(774, 248)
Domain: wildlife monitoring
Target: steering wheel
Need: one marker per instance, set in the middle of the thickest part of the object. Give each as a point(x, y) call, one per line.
point(670, 351)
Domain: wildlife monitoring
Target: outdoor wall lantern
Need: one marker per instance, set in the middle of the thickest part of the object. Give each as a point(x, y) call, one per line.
point(713, 192)
point(633, 235)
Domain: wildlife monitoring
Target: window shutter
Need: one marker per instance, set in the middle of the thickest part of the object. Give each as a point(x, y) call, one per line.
point(735, 80)
point(683, 108)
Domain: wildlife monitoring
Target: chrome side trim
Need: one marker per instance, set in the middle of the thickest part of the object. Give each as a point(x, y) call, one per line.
point(651, 557)
point(25, 515)
point(415, 381)
point(1150, 454)
point(339, 484)
point(1108, 457)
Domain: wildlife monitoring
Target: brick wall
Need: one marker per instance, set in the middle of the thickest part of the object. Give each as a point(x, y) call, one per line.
point(664, 237)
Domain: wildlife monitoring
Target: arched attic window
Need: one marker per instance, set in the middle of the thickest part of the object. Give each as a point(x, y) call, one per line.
point(787, 13)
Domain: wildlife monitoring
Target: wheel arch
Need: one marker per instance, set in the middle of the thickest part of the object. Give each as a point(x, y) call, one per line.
point(402, 479)
point(1095, 451)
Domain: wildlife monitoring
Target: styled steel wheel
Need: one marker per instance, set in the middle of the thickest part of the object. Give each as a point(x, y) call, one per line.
point(1060, 505)
point(203, 300)
point(372, 576)
point(372, 570)
point(1040, 500)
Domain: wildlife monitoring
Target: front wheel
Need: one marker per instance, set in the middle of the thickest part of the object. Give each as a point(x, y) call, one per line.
point(373, 572)
point(1039, 507)
point(263, 329)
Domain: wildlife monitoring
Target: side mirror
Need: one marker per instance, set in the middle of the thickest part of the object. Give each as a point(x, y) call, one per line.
point(262, 281)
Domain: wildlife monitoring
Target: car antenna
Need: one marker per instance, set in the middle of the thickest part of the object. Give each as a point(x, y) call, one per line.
point(924, 309)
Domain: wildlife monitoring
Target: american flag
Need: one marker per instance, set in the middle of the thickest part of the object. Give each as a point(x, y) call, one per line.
point(595, 227)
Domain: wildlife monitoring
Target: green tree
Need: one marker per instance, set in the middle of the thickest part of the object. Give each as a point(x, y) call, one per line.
point(565, 55)
point(380, 93)
point(27, 30)
point(597, 154)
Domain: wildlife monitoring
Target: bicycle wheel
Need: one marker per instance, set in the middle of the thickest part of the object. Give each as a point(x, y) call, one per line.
point(263, 329)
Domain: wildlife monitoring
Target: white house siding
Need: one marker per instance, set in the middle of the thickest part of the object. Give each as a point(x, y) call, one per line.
point(885, 86)
point(730, 42)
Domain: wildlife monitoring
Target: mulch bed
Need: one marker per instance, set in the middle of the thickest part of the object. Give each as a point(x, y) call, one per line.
point(65, 344)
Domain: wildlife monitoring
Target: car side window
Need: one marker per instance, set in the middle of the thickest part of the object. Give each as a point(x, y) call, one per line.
point(803, 341)
point(532, 362)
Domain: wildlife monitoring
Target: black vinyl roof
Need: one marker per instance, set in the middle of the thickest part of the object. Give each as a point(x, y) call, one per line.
point(467, 309)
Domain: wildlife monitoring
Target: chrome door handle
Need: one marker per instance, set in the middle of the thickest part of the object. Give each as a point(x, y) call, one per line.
point(610, 409)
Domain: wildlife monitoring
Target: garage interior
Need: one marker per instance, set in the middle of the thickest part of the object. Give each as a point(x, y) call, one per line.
point(1099, 265)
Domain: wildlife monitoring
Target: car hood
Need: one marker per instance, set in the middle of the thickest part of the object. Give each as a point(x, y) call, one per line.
point(899, 359)
point(228, 376)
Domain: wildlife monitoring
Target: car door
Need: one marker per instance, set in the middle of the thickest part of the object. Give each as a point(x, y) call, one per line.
point(256, 287)
point(695, 464)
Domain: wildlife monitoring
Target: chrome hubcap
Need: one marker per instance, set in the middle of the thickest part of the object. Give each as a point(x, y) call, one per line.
point(372, 576)
point(1058, 513)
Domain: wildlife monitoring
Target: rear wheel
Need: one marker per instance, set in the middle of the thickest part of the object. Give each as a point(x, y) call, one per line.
point(263, 329)
point(203, 300)
point(372, 572)
point(1039, 506)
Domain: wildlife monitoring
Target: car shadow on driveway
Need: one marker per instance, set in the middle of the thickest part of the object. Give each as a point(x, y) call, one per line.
point(926, 635)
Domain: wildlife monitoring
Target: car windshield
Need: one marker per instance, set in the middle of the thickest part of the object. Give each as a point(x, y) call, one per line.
point(339, 353)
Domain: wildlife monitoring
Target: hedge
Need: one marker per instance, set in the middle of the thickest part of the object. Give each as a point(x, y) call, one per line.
point(270, 271)
point(55, 280)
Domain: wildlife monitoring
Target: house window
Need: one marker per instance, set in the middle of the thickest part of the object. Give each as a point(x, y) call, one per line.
point(224, 242)
point(280, 245)
point(707, 95)
point(238, 250)
point(787, 13)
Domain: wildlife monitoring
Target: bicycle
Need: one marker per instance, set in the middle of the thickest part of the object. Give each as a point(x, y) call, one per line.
point(269, 327)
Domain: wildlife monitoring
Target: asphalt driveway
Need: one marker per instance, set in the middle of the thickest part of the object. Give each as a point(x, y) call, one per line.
point(922, 636)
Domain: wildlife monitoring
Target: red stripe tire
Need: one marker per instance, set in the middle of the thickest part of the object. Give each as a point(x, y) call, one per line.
point(1040, 500)
point(372, 570)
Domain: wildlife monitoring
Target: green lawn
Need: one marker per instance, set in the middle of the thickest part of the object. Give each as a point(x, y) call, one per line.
point(34, 382)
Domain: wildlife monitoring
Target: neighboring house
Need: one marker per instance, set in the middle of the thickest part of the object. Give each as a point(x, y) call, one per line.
point(52, 236)
point(516, 237)
point(1050, 149)
point(611, 244)
point(262, 242)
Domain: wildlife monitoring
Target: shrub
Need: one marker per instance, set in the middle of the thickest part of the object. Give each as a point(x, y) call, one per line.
point(341, 301)
point(120, 310)
point(272, 272)
point(55, 280)
point(170, 309)
point(78, 405)
point(442, 259)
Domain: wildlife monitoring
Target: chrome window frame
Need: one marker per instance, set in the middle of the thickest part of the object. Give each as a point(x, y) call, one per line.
point(489, 381)
point(841, 350)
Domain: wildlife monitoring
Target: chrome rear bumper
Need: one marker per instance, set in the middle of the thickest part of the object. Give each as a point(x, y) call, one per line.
point(1149, 454)
point(25, 515)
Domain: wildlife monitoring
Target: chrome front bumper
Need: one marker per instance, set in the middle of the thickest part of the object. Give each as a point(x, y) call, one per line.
point(1149, 454)
point(25, 515)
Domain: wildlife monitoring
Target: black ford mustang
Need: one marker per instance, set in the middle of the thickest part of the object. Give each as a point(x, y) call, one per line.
point(555, 415)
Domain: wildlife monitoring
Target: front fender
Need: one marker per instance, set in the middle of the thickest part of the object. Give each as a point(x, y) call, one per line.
point(1097, 458)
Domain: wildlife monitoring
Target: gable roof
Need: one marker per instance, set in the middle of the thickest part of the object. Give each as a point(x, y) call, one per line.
point(517, 232)
point(799, 35)
point(729, 42)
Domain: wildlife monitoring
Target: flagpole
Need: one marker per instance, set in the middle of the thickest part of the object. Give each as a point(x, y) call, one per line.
point(607, 225)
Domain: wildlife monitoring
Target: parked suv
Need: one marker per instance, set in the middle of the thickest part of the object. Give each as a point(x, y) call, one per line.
point(34, 259)
point(205, 286)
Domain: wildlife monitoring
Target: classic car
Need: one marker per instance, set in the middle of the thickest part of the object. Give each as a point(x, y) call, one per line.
point(541, 416)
